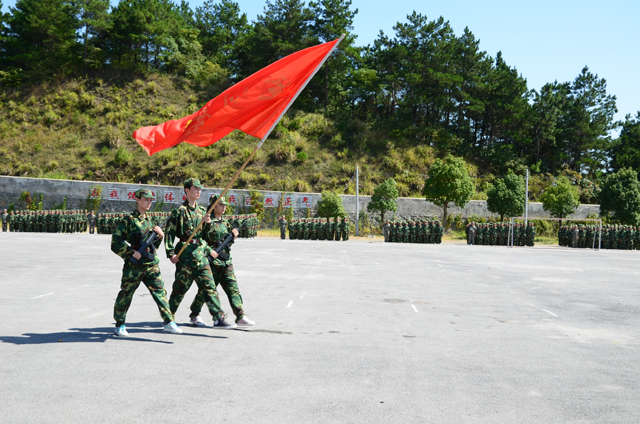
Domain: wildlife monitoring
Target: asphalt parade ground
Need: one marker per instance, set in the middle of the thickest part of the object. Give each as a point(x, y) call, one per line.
point(347, 332)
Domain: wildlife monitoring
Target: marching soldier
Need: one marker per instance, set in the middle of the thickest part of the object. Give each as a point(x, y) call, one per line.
point(192, 264)
point(125, 243)
point(222, 270)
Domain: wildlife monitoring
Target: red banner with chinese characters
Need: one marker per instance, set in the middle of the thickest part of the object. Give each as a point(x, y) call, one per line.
point(253, 105)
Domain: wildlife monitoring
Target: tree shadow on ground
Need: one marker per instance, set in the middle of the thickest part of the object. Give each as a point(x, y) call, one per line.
point(136, 331)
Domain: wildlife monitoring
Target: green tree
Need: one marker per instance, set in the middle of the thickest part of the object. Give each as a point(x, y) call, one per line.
point(332, 19)
point(141, 32)
point(506, 197)
point(586, 121)
point(222, 27)
point(94, 20)
point(41, 36)
point(545, 153)
point(448, 181)
point(284, 28)
point(384, 199)
point(561, 199)
point(330, 205)
point(625, 152)
point(620, 197)
point(257, 204)
point(183, 56)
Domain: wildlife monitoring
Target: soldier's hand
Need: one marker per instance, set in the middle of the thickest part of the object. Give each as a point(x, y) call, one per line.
point(137, 255)
point(214, 254)
point(207, 218)
point(235, 233)
point(159, 231)
point(174, 259)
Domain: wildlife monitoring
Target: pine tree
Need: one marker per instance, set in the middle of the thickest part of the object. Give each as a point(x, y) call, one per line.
point(42, 36)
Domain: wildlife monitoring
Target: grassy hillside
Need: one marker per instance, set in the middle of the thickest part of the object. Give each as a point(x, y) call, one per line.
point(81, 129)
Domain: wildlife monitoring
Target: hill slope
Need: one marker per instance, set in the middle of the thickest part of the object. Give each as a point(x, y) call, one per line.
point(81, 129)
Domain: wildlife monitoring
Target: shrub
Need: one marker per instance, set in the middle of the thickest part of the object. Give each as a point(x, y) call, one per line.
point(283, 152)
point(123, 156)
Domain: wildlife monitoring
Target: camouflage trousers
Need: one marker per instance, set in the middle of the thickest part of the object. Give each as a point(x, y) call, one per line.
point(4, 227)
point(204, 280)
point(225, 277)
point(283, 234)
point(131, 278)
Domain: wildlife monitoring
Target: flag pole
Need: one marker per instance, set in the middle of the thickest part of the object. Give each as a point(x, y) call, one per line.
point(293, 99)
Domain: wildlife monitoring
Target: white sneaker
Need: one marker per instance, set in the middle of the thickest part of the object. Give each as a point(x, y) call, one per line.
point(245, 322)
point(121, 331)
point(172, 328)
point(223, 324)
point(198, 322)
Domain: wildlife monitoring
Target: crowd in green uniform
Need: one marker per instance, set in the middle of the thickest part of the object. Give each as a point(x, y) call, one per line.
point(107, 222)
point(49, 221)
point(249, 229)
point(497, 234)
point(319, 229)
point(625, 237)
point(419, 231)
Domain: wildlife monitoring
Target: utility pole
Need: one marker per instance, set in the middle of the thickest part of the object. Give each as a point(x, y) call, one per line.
point(357, 203)
point(526, 198)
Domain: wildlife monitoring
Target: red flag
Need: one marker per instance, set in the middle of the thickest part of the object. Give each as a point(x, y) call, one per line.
point(253, 105)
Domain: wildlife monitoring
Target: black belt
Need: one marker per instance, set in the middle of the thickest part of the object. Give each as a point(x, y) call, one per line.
point(193, 241)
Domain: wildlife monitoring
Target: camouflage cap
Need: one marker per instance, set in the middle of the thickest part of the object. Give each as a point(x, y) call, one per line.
point(192, 182)
point(214, 197)
point(143, 192)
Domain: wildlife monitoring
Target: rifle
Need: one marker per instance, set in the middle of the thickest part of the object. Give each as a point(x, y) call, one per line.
point(147, 241)
point(223, 246)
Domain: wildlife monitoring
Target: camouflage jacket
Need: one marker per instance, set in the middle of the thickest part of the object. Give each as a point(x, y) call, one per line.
point(214, 232)
point(130, 230)
point(184, 221)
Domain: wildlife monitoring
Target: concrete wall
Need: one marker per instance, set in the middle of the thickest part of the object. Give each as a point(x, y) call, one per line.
point(114, 199)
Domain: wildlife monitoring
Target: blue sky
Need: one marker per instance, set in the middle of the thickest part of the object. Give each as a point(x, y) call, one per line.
point(545, 40)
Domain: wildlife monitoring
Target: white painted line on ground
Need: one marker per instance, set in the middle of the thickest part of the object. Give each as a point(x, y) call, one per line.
point(549, 312)
point(290, 302)
point(43, 295)
point(414, 308)
point(303, 295)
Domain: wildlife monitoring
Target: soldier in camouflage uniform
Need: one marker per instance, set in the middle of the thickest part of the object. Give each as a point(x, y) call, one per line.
point(92, 222)
point(292, 229)
point(222, 270)
point(344, 229)
point(471, 233)
point(283, 228)
point(5, 216)
point(192, 264)
point(11, 221)
point(313, 229)
point(531, 234)
point(439, 232)
point(131, 230)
